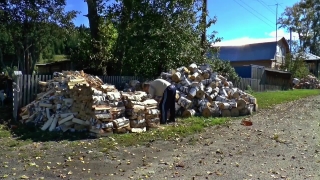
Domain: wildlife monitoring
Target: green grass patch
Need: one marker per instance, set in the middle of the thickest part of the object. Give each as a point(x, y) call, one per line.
point(271, 98)
point(4, 132)
point(55, 58)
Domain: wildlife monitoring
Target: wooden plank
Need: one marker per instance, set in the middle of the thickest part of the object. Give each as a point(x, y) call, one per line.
point(21, 91)
point(30, 97)
point(37, 79)
point(32, 86)
point(24, 93)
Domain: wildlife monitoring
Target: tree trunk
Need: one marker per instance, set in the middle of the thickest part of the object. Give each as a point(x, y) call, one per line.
point(1, 59)
point(124, 20)
point(204, 24)
point(94, 21)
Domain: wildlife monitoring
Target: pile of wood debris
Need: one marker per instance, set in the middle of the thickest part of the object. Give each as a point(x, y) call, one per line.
point(206, 93)
point(309, 82)
point(76, 101)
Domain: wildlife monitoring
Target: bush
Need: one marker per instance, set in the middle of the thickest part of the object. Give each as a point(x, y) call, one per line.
point(296, 65)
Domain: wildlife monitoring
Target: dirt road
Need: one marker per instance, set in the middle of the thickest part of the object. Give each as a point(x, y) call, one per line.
point(283, 143)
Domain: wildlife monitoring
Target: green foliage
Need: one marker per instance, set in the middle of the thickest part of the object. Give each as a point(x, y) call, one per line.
point(296, 65)
point(156, 36)
point(83, 53)
point(223, 67)
point(31, 28)
point(249, 90)
point(304, 18)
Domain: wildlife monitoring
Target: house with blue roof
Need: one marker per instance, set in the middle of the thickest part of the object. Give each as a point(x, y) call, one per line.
point(267, 52)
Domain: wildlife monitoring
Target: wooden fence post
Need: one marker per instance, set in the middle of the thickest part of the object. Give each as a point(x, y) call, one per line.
point(16, 92)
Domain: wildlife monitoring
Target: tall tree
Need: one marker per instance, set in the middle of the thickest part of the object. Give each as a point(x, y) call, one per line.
point(157, 35)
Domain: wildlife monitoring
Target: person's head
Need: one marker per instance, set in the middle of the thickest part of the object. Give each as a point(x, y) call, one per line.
point(145, 86)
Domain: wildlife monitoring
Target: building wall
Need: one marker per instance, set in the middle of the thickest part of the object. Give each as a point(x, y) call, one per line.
point(265, 63)
point(280, 53)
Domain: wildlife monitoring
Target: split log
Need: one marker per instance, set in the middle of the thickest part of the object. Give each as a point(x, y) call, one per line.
point(121, 122)
point(138, 123)
point(193, 68)
point(138, 130)
point(138, 108)
point(176, 77)
point(200, 94)
point(241, 103)
point(225, 113)
point(192, 92)
point(122, 130)
point(234, 112)
point(206, 74)
point(184, 102)
point(165, 76)
point(188, 113)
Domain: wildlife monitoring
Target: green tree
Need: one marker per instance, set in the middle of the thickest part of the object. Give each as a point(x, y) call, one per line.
point(304, 18)
point(295, 63)
point(33, 25)
point(157, 36)
point(85, 56)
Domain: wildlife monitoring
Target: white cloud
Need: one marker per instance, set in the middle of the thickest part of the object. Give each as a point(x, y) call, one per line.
point(282, 33)
point(248, 40)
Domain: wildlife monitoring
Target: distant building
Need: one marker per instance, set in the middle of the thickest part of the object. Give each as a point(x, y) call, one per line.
point(267, 53)
point(58, 66)
point(313, 63)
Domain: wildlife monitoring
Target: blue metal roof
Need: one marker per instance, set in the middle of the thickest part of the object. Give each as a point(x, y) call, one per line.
point(249, 52)
point(308, 56)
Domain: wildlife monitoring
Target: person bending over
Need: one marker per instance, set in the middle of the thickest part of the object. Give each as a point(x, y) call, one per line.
point(161, 87)
point(168, 103)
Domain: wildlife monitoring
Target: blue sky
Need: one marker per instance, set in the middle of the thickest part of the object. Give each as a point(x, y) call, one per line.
point(238, 20)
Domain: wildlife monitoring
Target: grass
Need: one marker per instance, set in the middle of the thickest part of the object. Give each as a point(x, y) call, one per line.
point(4, 132)
point(184, 128)
point(269, 99)
point(55, 58)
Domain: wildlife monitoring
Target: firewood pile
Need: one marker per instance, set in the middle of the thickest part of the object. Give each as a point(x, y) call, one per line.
point(75, 101)
point(141, 111)
point(309, 82)
point(204, 92)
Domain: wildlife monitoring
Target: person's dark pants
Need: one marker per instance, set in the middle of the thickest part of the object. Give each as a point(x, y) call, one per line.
point(168, 102)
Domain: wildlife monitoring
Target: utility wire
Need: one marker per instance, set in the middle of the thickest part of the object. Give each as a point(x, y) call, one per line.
point(256, 11)
point(265, 5)
point(282, 7)
point(253, 13)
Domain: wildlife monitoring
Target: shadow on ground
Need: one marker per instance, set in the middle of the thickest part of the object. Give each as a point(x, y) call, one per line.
point(33, 133)
point(37, 135)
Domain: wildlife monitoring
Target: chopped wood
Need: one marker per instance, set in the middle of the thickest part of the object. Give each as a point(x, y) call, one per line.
point(75, 101)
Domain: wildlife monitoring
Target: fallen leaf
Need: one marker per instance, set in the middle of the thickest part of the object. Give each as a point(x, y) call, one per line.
point(5, 176)
point(24, 177)
point(32, 164)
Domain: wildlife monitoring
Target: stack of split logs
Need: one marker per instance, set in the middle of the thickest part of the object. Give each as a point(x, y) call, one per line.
point(76, 101)
point(204, 92)
point(309, 82)
point(141, 111)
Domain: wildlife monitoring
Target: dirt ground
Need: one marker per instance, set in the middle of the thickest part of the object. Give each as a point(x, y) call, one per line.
point(283, 143)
